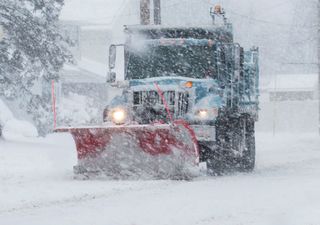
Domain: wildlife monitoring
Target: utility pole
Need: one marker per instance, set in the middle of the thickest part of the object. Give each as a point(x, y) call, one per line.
point(144, 12)
point(319, 62)
point(1, 33)
point(157, 12)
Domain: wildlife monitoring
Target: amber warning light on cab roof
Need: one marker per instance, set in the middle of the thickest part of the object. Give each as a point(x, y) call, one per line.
point(218, 9)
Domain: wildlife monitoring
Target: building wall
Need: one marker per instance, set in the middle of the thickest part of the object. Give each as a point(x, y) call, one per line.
point(288, 116)
point(72, 31)
point(292, 95)
point(94, 43)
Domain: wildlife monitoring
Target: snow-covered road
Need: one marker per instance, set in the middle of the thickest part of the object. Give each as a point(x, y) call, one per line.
point(36, 188)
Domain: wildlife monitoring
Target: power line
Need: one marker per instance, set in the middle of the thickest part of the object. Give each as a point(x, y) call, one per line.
point(230, 11)
point(252, 19)
point(267, 10)
point(318, 7)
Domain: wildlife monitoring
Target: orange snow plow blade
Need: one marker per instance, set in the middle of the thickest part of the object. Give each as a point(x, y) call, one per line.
point(135, 150)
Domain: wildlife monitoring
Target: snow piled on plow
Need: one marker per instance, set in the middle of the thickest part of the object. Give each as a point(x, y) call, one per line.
point(123, 158)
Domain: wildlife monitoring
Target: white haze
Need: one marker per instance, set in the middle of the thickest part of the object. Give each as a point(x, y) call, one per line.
point(36, 178)
point(284, 30)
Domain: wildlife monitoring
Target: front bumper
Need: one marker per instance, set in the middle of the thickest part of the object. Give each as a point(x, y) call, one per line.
point(205, 132)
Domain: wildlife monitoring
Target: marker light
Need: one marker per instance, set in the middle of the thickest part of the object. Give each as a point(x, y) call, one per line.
point(218, 9)
point(189, 84)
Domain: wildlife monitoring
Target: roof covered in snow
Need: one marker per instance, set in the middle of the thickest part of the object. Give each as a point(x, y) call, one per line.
point(92, 11)
point(86, 70)
point(293, 82)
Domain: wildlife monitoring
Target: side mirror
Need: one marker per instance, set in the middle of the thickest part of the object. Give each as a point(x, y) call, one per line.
point(114, 63)
point(112, 56)
point(112, 76)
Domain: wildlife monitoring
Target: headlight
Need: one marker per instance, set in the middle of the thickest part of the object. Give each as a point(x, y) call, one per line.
point(118, 116)
point(203, 114)
point(207, 114)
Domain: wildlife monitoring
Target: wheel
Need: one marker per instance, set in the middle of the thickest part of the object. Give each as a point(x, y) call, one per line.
point(217, 156)
point(243, 143)
point(215, 167)
point(247, 160)
point(236, 143)
point(209, 154)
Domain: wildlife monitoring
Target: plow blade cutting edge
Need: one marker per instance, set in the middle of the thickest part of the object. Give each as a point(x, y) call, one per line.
point(136, 151)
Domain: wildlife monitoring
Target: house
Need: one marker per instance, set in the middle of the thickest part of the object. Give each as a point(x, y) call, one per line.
point(93, 25)
point(289, 103)
point(293, 87)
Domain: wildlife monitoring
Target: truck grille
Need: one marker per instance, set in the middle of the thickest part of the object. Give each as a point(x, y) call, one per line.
point(152, 97)
point(177, 101)
point(183, 103)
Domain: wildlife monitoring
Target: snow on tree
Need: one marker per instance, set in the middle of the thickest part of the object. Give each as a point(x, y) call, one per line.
point(32, 52)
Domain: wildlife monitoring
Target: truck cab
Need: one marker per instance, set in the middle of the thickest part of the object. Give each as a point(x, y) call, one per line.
point(196, 74)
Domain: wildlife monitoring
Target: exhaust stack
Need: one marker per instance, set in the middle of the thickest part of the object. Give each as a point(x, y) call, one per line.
point(157, 12)
point(145, 12)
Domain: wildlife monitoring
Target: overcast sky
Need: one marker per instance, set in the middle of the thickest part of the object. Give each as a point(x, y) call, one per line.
point(281, 28)
point(284, 30)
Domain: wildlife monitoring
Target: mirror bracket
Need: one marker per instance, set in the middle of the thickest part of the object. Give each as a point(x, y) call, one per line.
point(112, 56)
point(111, 77)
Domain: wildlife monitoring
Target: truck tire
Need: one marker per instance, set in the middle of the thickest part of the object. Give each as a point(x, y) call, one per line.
point(209, 154)
point(247, 160)
point(235, 145)
point(219, 160)
point(215, 167)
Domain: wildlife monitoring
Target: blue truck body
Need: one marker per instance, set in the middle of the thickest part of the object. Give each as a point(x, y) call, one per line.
point(207, 80)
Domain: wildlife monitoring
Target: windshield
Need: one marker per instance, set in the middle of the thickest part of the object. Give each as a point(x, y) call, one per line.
point(158, 61)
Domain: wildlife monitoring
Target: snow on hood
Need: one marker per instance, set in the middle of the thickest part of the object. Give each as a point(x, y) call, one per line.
point(170, 82)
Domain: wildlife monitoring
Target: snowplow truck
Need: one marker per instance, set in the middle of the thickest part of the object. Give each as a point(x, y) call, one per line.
point(189, 95)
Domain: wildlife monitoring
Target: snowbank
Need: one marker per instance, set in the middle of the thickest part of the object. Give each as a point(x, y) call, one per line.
point(5, 113)
point(77, 110)
point(13, 129)
point(36, 187)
